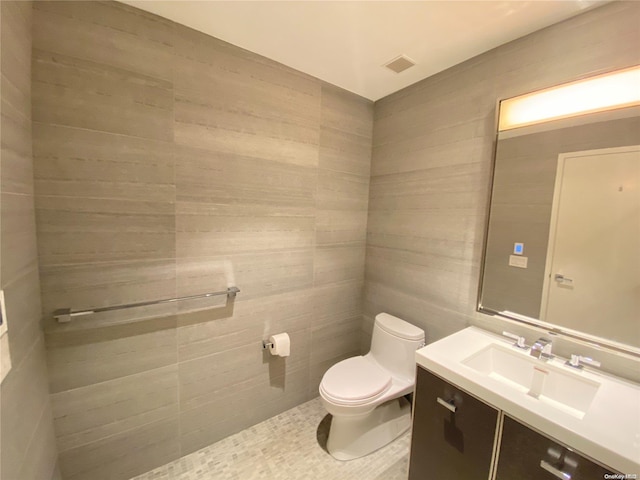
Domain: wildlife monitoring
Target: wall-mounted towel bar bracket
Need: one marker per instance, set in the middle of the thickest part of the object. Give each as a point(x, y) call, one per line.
point(65, 315)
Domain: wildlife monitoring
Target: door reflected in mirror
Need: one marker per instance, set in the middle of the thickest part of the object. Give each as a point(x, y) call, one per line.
point(592, 273)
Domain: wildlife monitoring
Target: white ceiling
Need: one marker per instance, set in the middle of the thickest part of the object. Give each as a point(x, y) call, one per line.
point(347, 42)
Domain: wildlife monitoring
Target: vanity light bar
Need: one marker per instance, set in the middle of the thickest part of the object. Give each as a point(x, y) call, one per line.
point(603, 92)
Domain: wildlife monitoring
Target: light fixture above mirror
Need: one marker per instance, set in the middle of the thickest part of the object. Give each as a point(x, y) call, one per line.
point(595, 94)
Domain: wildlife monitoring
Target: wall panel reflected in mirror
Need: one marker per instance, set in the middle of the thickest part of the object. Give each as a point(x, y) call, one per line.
point(592, 290)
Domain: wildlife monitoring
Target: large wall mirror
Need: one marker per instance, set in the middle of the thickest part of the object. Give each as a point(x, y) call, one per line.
point(563, 239)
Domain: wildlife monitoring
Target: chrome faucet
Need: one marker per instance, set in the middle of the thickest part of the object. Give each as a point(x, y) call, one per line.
point(542, 349)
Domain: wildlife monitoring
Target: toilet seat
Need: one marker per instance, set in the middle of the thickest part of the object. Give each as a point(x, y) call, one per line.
point(355, 381)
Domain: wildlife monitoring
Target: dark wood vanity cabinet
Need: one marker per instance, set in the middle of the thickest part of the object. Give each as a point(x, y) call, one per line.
point(527, 455)
point(453, 432)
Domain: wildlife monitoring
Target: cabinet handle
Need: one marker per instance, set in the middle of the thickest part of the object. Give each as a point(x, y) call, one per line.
point(554, 471)
point(449, 406)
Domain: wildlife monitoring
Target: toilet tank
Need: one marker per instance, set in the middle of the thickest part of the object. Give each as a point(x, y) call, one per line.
point(394, 343)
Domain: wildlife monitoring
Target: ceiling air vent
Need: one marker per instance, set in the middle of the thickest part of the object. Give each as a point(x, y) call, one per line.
point(400, 64)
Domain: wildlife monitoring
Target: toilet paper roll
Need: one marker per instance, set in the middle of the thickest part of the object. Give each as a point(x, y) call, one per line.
point(280, 344)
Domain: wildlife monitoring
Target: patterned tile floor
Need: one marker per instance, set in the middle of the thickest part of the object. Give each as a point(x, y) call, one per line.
point(288, 446)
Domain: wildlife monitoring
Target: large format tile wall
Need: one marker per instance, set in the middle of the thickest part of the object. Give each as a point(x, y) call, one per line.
point(28, 447)
point(169, 163)
point(431, 165)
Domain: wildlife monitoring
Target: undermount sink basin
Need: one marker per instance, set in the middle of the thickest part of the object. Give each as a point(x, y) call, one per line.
point(552, 385)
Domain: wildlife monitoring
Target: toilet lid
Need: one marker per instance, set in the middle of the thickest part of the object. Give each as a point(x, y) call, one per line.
point(355, 378)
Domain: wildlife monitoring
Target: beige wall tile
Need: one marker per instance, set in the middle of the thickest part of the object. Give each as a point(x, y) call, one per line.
point(239, 106)
point(16, 50)
point(337, 301)
point(81, 365)
point(420, 279)
point(210, 56)
point(280, 149)
point(341, 110)
point(330, 341)
point(85, 285)
point(237, 184)
point(341, 227)
point(198, 275)
point(201, 384)
point(86, 414)
point(99, 230)
point(137, 42)
point(345, 151)
point(75, 162)
point(100, 329)
point(342, 191)
point(57, 474)
point(24, 398)
point(150, 185)
point(448, 190)
point(281, 394)
point(256, 274)
point(446, 155)
point(252, 320)
point(240, 406)
point(221, 111)
point(82, 93)
point(200, 231)
point(123, 455)
point(16, 162)
point(338, 264)
point(26, 428)
point(41, 457)
point(22, 302)
point(17, 236)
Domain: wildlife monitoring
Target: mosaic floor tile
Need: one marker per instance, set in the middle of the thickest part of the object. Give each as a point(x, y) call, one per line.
point(289, 446)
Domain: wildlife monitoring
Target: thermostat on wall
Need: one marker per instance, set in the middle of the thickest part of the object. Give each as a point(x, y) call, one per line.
point(518, 248)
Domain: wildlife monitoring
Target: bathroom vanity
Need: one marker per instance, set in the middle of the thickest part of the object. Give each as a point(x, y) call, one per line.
point(485, 409)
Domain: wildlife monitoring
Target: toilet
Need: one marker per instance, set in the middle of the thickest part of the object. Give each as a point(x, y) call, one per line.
point(365, 394)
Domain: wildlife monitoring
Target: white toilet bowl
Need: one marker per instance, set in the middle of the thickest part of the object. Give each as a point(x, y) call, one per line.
point(365, 394)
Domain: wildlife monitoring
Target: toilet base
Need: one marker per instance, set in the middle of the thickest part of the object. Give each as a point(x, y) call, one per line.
point(352, 437)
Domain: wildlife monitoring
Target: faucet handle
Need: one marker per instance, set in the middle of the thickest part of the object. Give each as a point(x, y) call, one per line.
point(519, 340)
point(546, 351)
point(578, 361)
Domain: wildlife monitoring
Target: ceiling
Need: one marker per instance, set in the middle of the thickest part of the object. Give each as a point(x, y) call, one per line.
point(347, 42)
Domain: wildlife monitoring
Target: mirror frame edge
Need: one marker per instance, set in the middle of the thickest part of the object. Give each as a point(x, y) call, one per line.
point(573, 335)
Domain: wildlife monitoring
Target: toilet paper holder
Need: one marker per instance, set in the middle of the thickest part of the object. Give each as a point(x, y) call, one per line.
point(278, 345)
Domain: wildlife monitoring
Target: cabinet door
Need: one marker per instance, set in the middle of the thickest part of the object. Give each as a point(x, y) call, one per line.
point(453, 432)
point(528, 455)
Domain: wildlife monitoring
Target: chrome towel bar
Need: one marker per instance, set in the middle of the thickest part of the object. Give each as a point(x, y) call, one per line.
point(65, 315)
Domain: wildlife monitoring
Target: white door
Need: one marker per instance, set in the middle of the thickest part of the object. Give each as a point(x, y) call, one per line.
point(592, 279)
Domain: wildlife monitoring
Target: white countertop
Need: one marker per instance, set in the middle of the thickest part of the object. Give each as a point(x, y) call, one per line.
point(609, 432)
